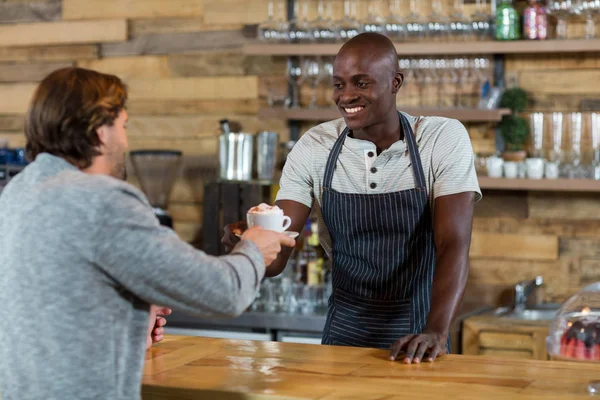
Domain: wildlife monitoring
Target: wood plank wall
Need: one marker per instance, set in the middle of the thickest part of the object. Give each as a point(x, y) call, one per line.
point(182, 61)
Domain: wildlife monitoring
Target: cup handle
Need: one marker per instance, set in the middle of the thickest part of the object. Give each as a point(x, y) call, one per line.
point(287, 221)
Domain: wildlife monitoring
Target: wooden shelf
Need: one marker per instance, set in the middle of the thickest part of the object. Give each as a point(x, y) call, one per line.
point(431, 48)
point(549, 185)
point(326, 114)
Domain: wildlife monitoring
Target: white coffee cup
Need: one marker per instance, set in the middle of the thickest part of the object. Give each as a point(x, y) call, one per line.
point(511, 169)
point(272, 220)
point(494, 166)
point(535, 168)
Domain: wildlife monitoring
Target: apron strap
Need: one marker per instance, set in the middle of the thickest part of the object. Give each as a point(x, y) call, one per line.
point(332, 159)
point(413, 151)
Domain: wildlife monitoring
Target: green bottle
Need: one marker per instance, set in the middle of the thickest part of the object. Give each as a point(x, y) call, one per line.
point(507, 21)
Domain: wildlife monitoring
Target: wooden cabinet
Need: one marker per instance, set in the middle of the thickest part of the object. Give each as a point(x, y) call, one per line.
point(503, 337)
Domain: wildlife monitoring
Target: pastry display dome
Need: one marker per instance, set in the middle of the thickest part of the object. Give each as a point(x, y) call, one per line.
point(575, 331)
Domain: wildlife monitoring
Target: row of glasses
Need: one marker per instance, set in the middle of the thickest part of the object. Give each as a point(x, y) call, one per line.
point(436, 82)
point(568, 141)
point(401, 20)
point(444, 82)
point(564, 10)
point(283, 295)
point(312, 72)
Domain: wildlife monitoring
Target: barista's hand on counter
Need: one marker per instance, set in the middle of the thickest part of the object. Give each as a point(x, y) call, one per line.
point(159, 331)
point(268, 242)
point(415, 347)
point(229, 240)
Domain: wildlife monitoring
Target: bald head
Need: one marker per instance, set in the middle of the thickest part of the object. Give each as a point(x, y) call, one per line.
point(374, 48)
point(366, 79)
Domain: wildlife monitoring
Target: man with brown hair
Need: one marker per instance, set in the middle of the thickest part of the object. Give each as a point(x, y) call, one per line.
point(79, 245)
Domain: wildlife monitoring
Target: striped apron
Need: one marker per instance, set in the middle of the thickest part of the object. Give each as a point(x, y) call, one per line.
point(383, 256)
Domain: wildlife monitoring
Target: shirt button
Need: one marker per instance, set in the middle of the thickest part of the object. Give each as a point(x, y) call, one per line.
point(370, 154)
point(373, 185)
point(373, 170)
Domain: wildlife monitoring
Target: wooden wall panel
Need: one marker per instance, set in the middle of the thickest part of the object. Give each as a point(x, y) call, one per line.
point(193, 107)
point(175, 43)
point(71, 32)
point(527, 247)
point(49, 53)
point(92, 9)
point(195, 127)
point(30, 11)
point(564, 206)
point(26, 72)
point(126, 68)
point(563, 82)
point(236, 12)
point(195, 88)
point(14, 122)
point(15, 97)
point(141, 27)
point(13, 139)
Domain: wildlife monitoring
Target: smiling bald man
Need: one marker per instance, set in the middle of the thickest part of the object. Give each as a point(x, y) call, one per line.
point(394, 196)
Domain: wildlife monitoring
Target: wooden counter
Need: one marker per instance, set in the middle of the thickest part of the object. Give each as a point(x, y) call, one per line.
point(194, 368)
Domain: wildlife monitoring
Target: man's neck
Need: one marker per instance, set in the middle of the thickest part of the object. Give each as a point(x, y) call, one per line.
point(383, 134)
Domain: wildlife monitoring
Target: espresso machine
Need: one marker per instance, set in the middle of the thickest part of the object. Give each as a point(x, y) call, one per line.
point(157, 171)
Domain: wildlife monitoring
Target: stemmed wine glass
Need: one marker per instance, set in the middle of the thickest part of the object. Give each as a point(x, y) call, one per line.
point(275, 28)
point(348, 27)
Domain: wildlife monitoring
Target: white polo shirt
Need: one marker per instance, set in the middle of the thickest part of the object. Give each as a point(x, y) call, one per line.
point(444, 147)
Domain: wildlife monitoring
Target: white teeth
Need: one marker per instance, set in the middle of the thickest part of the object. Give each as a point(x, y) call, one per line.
point(353, 110)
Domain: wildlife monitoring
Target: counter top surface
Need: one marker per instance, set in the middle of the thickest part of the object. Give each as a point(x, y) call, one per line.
point(194, 367)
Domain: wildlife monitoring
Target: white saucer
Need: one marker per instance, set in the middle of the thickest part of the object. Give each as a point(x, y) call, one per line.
point(291, 234)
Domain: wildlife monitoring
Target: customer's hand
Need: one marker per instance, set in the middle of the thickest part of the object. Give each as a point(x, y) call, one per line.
point(229, 239)
point(269, 242)
point(157, 333)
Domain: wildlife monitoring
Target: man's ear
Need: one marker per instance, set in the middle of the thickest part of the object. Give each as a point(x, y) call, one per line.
point(102, 133)
point(398, 80)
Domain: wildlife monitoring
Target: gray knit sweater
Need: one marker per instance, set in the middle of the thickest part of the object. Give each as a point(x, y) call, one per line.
point(81, 258)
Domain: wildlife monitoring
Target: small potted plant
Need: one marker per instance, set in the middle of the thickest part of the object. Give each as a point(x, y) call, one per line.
point(514, 130)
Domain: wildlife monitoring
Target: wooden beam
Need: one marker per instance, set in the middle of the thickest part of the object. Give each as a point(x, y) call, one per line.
point(142, 27)
point(227, 88)
point(186, 107)
point(69, 32)
point(527, 247)
point(49, 53)
point(38, 11)
point(175, 43)
point(142, 67)
point(14, 122)
point(562, 206)
point(25, 72)
point(194, 126)
point(92, 9)
point(15, 97)
point(236, 12)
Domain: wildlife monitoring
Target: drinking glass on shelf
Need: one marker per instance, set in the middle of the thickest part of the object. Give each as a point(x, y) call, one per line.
point(311, 72)
point(439, 24)
point(301, 30)
point(481, 25)
point(275, 28)
point(295, 77)
point(574, 168)
point(348, 26)
point(374, 21)
point(395, 26)
point(590, 9)
point(323, 29)
point(555, 153)
point(561, 10)
point(536, 128)
point(415, 23)
point(460, 25)
point(594, 129)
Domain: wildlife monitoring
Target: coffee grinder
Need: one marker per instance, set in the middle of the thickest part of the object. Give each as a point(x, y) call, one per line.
point(157, 171)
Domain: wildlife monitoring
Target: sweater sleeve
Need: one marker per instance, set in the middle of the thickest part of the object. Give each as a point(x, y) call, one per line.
point(153, 263)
